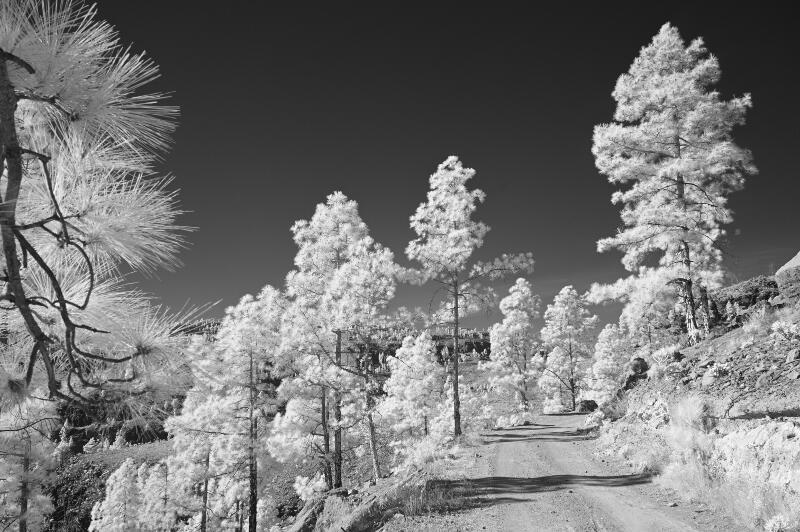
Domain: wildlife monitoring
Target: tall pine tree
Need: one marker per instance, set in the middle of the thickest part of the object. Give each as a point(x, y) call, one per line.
point(672, 152)
point(447, 237)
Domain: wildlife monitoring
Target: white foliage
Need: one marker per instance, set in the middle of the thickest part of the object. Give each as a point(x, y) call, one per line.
point(672, 151)
point(569, 334)
point(612, 353)
point(23, 434)
point(415, 387)
point(119, 511)
point(648, 300)
point(309, 488)
point(447, 235)
point(514, 364)
point(136, 498)
point(787, 330)
point(211, 437)
point(341, 284)
point(88, 203)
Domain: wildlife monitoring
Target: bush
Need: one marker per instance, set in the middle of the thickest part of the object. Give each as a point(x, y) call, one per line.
point(786, 330)
point(758, 321)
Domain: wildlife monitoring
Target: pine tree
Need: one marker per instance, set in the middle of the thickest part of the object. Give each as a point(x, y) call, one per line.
point(415, 387)
point(27, 458)
point(341, 282)
point(119, 511)
point(514, 364)
point(569, 334)
point(447, 237)
point(218, 439)
point(612, 354)
point(79, 141)
point(671, 149)
point(647, 304)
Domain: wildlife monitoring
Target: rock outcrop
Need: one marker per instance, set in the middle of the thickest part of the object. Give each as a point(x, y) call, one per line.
point(747, 293)
point(788, 278)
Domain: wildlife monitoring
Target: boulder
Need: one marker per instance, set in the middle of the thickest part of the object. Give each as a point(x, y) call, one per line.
point(586, 406)
point(788, 279)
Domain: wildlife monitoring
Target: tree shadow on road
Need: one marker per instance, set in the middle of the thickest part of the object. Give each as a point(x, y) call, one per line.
point(532, 426)
point(547, 436)
point(490, 491)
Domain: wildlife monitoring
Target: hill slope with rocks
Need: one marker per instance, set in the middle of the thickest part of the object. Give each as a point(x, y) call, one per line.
point(719, 421)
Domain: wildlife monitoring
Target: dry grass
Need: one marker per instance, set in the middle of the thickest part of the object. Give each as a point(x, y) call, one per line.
point(758, 321)
point(747, 473)
point(436, 497)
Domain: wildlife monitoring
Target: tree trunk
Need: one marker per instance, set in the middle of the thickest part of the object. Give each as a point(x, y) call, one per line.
point(373, 447)
point(710, 320)
point(23, 490)
point(572, 387)
point(691, 317)
point(691, 314)
point(253, 500)
point(337, 416)
point(165, 498)
point(204, 511)
point(373, 444)
point(573, 392)
point(326, 438)
point(456, 398)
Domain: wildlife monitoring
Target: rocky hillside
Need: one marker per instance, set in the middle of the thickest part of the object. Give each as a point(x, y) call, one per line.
point(720, 421)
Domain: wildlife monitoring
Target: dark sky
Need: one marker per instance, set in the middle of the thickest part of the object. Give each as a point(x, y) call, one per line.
point(283, 103)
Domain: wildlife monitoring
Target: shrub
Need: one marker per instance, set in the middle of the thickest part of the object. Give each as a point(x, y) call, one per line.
point(758, 321)
point(662, 361)
point(786, 330)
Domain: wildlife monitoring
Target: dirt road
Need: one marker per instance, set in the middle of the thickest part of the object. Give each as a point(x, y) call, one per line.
point(543, 477)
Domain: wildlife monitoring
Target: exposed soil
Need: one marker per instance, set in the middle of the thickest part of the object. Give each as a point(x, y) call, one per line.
point(544, 477)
